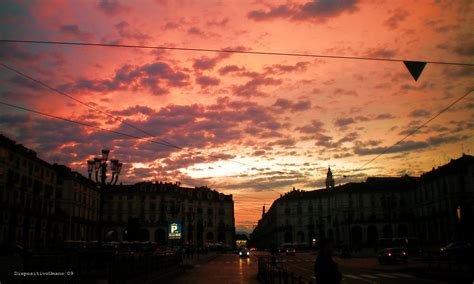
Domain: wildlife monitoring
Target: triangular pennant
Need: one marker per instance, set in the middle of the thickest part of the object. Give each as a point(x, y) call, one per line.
point(415, 68)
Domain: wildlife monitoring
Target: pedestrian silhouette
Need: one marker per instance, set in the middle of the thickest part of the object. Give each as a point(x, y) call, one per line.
point(325, 269)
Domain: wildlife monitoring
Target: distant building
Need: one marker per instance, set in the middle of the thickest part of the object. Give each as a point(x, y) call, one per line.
point(329, 179)
point(143, 211)
point(354, 214)
point(435, 208)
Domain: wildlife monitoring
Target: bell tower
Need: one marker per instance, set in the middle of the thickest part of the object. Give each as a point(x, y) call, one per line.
point(329, 179)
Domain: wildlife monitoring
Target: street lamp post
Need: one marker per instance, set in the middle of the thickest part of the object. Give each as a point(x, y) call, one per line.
point(99, 166)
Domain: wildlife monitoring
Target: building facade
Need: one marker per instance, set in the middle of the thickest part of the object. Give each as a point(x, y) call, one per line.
point(78, 204)
point(444, 202)
point(28, 204)
point(355, 214)
point(43, 205)
point(435, 208)
point(144, 211)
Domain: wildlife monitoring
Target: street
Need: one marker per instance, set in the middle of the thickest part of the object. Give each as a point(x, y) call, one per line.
point(355, 270)
point(229, 268)
point(223, 268)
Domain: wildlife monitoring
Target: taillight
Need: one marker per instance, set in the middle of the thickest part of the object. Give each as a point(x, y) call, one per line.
point(389, 254)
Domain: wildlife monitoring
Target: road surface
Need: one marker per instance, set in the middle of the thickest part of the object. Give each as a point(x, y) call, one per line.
point(229, 268)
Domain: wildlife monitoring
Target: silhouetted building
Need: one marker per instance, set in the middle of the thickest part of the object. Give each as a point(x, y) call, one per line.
point(436, 208)
point(444, 202)
point(78, 203)
point(27, 197)
point(43, 205)
point(329, 179)
point(355, 214)
point(143, 212)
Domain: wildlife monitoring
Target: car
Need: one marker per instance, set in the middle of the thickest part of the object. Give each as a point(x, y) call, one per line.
point(392, 255)
point(244, 252)
point(455, 247)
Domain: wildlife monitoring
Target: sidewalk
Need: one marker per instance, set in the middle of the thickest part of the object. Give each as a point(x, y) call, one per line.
point(196, 260)
point(188, 263)
point(222, 268)
point(415, 266)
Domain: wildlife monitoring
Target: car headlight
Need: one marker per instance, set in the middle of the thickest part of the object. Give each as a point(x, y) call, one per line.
point(248, 253)
point(240, 253)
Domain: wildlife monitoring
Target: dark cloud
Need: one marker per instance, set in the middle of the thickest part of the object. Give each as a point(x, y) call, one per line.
point(343, 92)
point(397, 16)
point(196, 31)
point(207, 81)
point(258, 153)
point(440, 25)
point(171, 26)
point(458, 71)
point(126, 31)
point(162, 70)
point(342, 155)
point(316, 126)
point(134, 110)
point(217, 23)
point(420, 113)
point(406, 146)
point(207, 63)
point(466, 48)
point(383, 116)
point(280, 69)
point(230, 69)
point(157, 77)
point(197, 126)
point(257, 80)
point(317, 10)
point(325, 141)
point(381, 52)
point(285, 104)
point(348, 137)
point(281, 11)
point(415, 87)
point(112, 7)
point(402, 147)
point(251, 88)
point(15, 51)
point(23, 82)
point(345, 121)
point(186, 160)
point(75, 32)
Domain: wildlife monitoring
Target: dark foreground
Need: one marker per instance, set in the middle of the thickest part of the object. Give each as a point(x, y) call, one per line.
point(216, 267)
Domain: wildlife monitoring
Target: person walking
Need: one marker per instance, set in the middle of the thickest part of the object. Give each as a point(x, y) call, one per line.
point(325, 269)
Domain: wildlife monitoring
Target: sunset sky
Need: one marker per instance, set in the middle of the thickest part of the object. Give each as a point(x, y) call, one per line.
point(249, 125)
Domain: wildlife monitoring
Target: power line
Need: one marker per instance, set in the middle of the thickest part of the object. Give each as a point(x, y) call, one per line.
point(224, 51)
point(163, 141)
point(102, 129)
point(82, 103)
point(79, 123)
point(84, 124)
point(416, 130)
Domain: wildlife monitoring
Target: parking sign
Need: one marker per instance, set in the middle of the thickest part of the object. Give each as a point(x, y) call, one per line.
point(174, 231)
